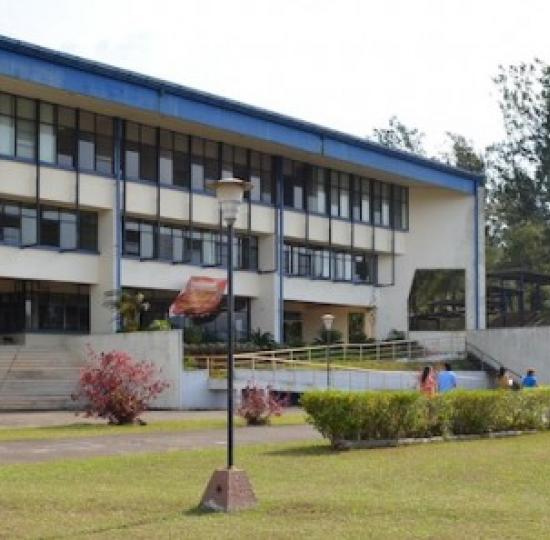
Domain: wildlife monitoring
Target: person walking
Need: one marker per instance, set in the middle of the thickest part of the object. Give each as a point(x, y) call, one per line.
point(427, 381)
point(446, 379)
point(530, 380)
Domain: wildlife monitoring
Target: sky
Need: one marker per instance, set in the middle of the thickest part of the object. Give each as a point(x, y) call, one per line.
point(346, 64)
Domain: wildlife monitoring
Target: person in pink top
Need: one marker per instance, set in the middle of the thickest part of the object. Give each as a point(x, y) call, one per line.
point(427, 382)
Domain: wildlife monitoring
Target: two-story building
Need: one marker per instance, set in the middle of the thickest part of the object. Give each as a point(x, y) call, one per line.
point(104, 185)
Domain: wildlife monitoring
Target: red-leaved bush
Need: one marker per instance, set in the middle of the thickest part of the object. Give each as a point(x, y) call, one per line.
point(259, 404)
point(116, 387)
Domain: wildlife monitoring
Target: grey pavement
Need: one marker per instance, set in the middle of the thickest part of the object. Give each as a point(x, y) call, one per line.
point(113, 445)
point(65, 418)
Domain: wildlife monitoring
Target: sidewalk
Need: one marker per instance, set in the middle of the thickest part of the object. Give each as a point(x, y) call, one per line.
point(116, 445)
point(65, 418)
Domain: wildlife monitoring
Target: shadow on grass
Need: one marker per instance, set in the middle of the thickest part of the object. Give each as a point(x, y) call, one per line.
point(303, 451)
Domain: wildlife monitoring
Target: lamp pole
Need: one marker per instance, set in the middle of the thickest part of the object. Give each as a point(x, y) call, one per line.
point(230, 346)
point(229, 489)
point(327, 321)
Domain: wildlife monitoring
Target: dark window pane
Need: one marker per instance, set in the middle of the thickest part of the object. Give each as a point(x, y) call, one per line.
point(10, 226)
point(88, 231)
point(49, 228)
point(86, 151)
point(7, 135)
point(165, 243)
point(104, 154)
point(131, 237)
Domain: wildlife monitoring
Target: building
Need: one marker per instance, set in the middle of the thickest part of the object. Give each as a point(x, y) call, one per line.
point(104, 186)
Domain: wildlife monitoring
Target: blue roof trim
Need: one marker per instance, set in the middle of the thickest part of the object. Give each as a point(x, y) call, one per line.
point(70, 73)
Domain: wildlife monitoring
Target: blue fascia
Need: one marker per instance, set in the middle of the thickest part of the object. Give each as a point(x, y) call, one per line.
point(69, 73)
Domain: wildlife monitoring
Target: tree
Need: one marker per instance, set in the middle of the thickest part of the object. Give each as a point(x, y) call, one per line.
point(400, 137)
point(128, 306)
point(463, 155)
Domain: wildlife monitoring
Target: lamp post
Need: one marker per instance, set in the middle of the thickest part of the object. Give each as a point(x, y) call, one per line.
point(327, 321)
point(229, 489)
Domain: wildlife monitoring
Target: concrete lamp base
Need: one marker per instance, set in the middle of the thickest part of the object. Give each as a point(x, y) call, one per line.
point(228, 490)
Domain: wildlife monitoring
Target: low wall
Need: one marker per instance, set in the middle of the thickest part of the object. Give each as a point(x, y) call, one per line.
point(304, 380)
point(197, 394)
point(517, 348)
point(164, 349)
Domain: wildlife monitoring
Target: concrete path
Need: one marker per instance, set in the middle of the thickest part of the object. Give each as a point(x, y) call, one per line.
point(65, 418)
point(113, 445)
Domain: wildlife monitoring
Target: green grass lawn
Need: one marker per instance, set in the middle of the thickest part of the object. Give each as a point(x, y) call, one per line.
point(478, 489)
point(81, 429)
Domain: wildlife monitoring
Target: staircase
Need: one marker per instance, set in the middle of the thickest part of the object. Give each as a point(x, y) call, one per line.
point(33, 378)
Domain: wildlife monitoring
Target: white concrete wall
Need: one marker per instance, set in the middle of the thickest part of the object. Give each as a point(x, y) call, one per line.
point(517, 348)
point(441, 236)
point(163, 349)
point(196, 393)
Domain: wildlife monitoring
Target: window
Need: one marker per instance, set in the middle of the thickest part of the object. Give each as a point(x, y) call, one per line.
point(88, 231)
point(47, 137)
point(293, 184)
point(339, 194)
point(261, 178)
point(7, 125)
point(66, 136)
point(361, 199)
point(140, 155)
point(49, 227)
point(200, 247)
point(204, 163)
point(9, 224)
point(28, 226)
point(67, 230)
point(25, 128)
point(321, 264)
point(341, 266)
point(297, 261)
point(181, 172)
point(292, 328)
point(235, 163)
point(381, 204)
point(166, 157)
point(95, 143)
point(317, 192)
point(364, 268)
point(356, 328)
point(400, 208)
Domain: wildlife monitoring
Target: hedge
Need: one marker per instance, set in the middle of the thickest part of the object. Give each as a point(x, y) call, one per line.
point(390, 415)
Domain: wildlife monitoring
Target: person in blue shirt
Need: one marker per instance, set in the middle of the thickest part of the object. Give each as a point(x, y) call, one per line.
point(530, 380)
point(446, 380)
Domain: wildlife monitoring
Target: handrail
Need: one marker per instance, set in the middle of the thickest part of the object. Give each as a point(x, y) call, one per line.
point(488, 359)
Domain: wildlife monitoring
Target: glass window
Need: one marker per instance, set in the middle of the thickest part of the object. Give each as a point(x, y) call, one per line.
point(209, 249)
point(66, 143)
point(148, 154)
point(293, 185)
point(400, 208)
point(165, 243)
point(166, 158)
point(344, 195)
point(381, 204)
point(104, 145)
point(197, 165)
point(178, 253)
point(49, 227)
point(147, 241)
point(10, 225)
point(67, 230)
point(88, 231)
point(181, 170)
point(131, 237)
point(334, 197)
point(86, 141)
point(363, 268)
point(26, 128)
point(321, 264)
point(28, 226)
point(194, 249)
point(131, 151)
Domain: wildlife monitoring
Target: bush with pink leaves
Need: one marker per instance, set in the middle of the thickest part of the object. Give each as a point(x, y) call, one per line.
point(117, 387)
point(259, 404)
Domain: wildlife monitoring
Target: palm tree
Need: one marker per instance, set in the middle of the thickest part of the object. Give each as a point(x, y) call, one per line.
point(128, 306)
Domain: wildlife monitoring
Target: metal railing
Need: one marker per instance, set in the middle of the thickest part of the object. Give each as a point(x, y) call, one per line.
point(488, 360)
point(362, 356)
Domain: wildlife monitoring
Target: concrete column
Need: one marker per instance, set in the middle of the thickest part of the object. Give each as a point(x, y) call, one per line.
point(101, 319)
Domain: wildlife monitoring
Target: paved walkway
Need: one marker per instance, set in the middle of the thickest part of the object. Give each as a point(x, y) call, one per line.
point(65, 418)
point(109, 445)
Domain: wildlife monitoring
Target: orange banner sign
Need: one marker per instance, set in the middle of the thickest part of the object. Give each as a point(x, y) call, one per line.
point(201, 297)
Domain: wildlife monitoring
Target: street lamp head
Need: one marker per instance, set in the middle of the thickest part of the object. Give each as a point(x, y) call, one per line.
point(327, 319)
point(229, 192)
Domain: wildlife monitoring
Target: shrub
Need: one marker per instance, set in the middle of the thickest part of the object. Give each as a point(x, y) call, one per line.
point(262, 340)
point(259, 404)
point(160, 324)
point(118, 388)
point(381, 415)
